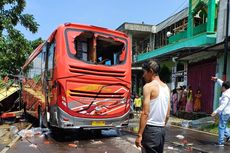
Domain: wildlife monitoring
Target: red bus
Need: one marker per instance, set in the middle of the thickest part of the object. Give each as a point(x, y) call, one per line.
point(79, 78)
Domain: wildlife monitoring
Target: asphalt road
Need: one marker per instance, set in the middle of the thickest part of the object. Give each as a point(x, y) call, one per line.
point(112, 141)
point(81, 142)
point(194, 141)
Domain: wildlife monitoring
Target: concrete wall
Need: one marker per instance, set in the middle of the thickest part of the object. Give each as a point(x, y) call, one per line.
point(221, 23)
point(219, 74)
point(140, 27)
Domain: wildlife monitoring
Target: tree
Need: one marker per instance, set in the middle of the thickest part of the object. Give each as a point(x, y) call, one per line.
point(15, 53)
point(14, 48)
point(11, 14)
point(165, 74)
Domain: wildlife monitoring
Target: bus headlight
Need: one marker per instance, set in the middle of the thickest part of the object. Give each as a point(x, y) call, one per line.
point(63, 101)
point(123, 101)
point(61, 95)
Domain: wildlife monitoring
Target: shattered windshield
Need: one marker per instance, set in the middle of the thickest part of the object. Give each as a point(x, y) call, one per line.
point(95, 48)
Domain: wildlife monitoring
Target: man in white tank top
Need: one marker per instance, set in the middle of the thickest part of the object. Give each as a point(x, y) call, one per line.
point(155, 112)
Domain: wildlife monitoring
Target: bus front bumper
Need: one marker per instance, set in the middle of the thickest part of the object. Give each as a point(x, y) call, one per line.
point(61, 119)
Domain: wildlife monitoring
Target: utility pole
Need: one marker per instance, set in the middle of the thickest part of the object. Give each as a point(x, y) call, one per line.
point(226, 44)
point(20, 89)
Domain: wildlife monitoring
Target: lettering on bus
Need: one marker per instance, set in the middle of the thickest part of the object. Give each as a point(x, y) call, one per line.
point(90, 87)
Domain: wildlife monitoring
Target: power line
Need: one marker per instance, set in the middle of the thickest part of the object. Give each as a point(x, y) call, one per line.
point(179, 7)
point(172, 14)
point(171, 19)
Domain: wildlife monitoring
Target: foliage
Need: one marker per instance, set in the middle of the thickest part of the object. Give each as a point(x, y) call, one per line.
point(14, 48)
point(212, 128)
point(14, 54)
point(11, 14)
point(1, 83)
point(165, 74)
point(34, 44)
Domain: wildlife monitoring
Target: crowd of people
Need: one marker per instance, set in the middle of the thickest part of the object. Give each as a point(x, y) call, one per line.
point(183, 99)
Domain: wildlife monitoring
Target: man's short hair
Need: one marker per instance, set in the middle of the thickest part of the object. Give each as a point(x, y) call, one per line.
point(226, 84)
point(151, 65)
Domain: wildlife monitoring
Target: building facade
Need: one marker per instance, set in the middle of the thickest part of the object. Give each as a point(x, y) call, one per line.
point(181, 44)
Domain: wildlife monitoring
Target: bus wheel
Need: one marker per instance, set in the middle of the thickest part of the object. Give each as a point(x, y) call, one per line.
point(39, 116)
point(58, 134)
point(97, 132)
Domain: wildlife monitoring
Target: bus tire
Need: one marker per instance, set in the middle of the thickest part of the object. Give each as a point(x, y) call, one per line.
point(58, 133)
point(97, 132)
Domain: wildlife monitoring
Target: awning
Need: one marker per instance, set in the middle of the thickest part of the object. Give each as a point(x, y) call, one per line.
point(206, 52)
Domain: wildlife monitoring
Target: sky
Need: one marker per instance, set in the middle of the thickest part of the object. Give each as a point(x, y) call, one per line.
point(49, 14)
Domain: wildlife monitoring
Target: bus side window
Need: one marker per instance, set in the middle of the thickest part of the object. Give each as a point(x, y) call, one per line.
point(51, 59)
point(43, 60)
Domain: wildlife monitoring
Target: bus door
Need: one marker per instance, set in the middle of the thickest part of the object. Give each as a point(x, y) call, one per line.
point(49, 78)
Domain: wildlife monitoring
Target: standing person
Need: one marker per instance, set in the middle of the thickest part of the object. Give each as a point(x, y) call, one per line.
point(137, 103)
point(223, 110)
point(183, 99)
point(179, 93)
point(155, 111)
point(141, 96)
point(189, 103)
point(132, 97)
point(174, 101)
point(197, 101)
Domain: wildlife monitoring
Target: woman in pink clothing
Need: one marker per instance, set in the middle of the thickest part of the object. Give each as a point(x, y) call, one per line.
point(174, 101)
point(183, 99)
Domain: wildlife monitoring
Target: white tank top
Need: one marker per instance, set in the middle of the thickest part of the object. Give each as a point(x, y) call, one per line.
point(159, 107)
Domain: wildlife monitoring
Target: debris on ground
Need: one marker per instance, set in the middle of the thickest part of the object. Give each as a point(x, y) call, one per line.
point(33, 145)
point(170, 148)
point(9, 131)
point(180, 137)
point(96, 142)
point(185, 142)
point(32, 132)
point(47, 142)
point(26, 133)
point(206, 121)
point(186, 123)
point(110, 132)
point(72, 145)
point(189, 144)
point(76, 142)
point(8, 117)
point(13, 131)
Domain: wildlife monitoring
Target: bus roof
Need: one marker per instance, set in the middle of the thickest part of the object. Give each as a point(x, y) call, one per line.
point(92, 27)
